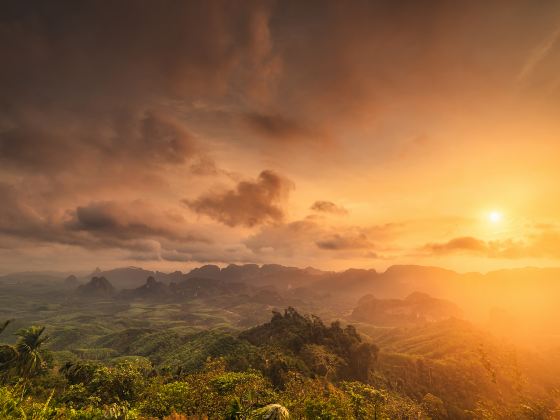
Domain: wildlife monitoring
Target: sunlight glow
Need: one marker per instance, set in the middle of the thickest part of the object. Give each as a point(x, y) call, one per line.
point(495, 216)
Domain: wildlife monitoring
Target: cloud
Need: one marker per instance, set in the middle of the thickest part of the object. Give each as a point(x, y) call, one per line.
point(339, 242)
point(109, 112)
point(465, 243)
point(328, 207)
point(309, 239)
point(543, 243)
point(133, 220)
point(145, 141)
point(278, 127)
point(251, 202)
point(135, 226)
point(286, 238)
point(91, 88)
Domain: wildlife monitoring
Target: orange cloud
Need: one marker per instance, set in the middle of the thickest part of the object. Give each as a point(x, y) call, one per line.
point(328, 207)
point(251, 202)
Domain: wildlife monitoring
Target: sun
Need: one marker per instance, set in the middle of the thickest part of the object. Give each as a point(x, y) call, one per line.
point(495, 216)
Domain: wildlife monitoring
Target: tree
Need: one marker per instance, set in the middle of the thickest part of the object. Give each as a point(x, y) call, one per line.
point(434, 407)
point(30, 356)
point(322, 361)
point(367, 401)
point(8, 356)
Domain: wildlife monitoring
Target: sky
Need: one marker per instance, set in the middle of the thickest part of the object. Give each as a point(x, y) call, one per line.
point(331, 134)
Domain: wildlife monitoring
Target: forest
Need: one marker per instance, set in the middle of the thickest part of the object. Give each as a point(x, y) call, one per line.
point(218, 346)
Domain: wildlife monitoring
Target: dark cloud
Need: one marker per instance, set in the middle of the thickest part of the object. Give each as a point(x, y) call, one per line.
point(88, 87)
point(328, 207)
point(277, 127)
point(135, 226)
point(351, 61)
point(143, 142)
point(129, 221)
point(250, 203)
point(126, 51)
point(338, 242)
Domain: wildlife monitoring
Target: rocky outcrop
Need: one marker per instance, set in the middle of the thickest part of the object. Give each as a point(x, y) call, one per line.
point(96, 287)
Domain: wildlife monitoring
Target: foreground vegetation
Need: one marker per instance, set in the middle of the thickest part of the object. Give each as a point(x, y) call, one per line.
point(292, 367)
point(305, 370)
point(209, 352)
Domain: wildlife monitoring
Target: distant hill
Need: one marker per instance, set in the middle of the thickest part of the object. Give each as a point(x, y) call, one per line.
point(194, 287)
point(276, 275)
point(152, 289)
point(132, 277)
point(71, 281)
point(96, 287)
point(515, 291)
point(416, 308)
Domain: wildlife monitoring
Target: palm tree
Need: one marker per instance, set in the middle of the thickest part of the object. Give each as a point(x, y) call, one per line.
point(29, 354)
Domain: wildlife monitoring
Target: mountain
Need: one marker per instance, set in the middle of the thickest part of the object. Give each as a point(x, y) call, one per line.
point(332, 350)
point(97, 287)
point(515, 291)
point(132, 277)
point(275, 275)
point(71, 281)
point(152, 289)
point(417, 308)
point(194, 287)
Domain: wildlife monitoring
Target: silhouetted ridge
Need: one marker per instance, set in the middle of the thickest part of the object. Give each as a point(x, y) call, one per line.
point(71, 281)
point(97, 286)
point(151, 289)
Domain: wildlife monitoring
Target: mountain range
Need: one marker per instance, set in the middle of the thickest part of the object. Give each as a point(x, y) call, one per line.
point(514, 292)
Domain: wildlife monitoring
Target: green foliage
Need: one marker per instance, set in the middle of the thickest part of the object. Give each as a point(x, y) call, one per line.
point(10, 405)
point(331, 351)
point(434, 407)
point(214, 392)
point(314, 398)
point(26, 358)
point(30, 359)
point(123, 382)
point(367, 402)
point(291, 367)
